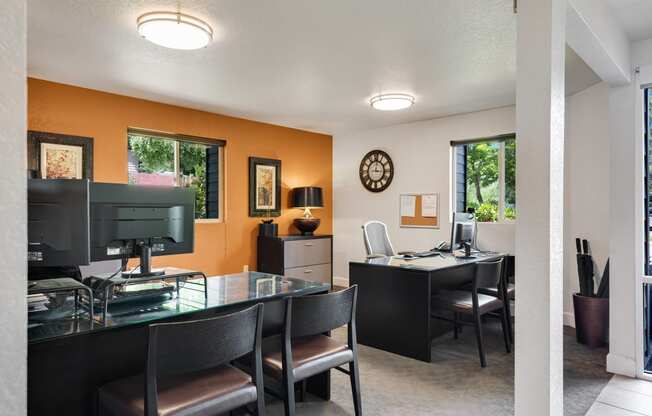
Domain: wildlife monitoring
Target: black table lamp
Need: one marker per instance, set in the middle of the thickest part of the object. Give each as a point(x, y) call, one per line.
point(306, 198)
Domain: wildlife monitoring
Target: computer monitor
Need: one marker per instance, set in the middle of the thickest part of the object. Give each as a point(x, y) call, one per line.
point(140, 221)
point(463, 230)
point(57, 223)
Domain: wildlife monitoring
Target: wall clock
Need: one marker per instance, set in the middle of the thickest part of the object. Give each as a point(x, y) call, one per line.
point(376, 171)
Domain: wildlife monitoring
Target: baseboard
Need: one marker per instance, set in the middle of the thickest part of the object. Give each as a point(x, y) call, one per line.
point(569, 319)
point(340, 281)
point(618, 364)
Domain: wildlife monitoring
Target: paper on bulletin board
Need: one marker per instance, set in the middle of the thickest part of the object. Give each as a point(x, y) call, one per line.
point(408, 205)
point(429, 205)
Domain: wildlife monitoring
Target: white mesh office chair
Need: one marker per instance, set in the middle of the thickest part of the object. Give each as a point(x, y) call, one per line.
point(376, 239)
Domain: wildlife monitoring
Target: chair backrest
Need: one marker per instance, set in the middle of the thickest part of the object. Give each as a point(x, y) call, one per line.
point(376, 239)
point(317, 314)
point(184, 347)
point(488, 274)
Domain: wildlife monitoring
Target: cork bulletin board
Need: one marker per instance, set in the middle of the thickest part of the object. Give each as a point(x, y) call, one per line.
point(419, 210)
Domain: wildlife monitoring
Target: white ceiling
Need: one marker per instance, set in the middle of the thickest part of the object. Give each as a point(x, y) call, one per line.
point(635, 16)
point(305, 64)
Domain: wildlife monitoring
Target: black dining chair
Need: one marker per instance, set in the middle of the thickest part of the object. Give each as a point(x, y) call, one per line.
point(189, 372)
point(303, 350)
point(486, 296)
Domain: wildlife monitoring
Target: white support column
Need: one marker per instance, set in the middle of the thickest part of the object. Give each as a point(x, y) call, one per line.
point(539, 189)
point(13, 208)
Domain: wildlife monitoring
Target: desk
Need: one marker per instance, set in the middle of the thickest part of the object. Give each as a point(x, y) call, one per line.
point(69, 359)
point(394, 305)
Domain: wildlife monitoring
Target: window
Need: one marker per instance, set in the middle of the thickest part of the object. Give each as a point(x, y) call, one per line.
point(647, 232)
point(648, 181)
point(485, 177)
point(175, 160)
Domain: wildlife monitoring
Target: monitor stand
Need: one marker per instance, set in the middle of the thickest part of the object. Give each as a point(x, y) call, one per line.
point(145, 264)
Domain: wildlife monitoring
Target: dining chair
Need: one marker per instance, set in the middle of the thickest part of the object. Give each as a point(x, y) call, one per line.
point(304, 350)
point(484, 298)
point(188, 370)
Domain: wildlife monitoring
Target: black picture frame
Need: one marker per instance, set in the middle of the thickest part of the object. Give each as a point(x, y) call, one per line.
point(254, 162)
point(36, 138)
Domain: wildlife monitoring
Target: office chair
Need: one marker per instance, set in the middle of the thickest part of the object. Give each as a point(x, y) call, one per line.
point(376, 239)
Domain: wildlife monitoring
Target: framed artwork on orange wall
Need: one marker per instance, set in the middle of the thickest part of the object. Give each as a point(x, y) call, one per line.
point(264, 187)
point(59, 156)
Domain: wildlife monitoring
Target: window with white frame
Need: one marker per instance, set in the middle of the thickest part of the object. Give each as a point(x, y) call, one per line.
point(485, 177)
point(175, 160)
point(647, 287)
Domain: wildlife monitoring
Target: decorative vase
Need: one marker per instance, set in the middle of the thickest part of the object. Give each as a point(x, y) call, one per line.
point(268, 229)
point(307, 226)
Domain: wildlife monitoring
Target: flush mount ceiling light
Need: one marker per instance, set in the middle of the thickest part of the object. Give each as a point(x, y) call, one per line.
point(391, 102)
point(175, 30)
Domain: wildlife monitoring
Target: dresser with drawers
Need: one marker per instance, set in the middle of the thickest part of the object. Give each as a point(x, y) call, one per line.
point(300, 256)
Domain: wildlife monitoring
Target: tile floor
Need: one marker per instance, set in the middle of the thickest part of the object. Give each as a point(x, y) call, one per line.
point(624, 397)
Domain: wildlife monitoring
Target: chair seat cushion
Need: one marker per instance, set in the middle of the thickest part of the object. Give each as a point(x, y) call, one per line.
point(461, 301)
point(206, 392)
point(310, 355)
point(511, 290)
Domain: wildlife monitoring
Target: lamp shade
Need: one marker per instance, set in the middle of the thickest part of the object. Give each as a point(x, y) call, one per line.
point(307, 197)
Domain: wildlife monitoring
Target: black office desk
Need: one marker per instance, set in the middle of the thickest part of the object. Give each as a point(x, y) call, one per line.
point(69, 360)
point(394, 306)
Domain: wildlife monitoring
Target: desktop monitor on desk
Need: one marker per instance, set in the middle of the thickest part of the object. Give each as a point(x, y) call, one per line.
point(463, 230)
point(57, 225)
point(140, 221)
point(73, 222)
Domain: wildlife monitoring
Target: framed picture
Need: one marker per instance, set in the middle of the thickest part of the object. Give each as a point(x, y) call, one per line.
point(59, 156)
point(264, 187)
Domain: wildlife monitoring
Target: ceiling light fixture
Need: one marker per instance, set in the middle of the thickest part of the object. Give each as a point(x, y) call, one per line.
point(391, 102)
point(175, 30)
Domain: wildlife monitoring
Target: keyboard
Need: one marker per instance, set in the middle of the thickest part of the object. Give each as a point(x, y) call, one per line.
point(427, 254)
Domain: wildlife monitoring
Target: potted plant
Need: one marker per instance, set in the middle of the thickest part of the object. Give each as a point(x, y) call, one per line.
point(591, 306)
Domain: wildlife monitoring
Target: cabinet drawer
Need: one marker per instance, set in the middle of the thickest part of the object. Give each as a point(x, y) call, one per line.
point(307, 252)
point(318, 273)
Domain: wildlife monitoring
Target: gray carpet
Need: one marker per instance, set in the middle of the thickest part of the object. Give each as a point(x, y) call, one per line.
point(454, 383)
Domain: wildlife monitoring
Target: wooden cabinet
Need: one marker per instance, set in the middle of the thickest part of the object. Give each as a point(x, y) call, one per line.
point(303, 257)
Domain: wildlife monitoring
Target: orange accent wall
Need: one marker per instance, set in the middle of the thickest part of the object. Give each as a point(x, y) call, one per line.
point(219, 247)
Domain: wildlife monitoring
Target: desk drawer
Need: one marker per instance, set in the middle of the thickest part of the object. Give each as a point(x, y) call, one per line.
point(317, 273)
point(300, 253)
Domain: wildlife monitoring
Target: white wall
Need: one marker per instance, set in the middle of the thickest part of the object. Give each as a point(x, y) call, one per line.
point(422, 154)
point(586, 187)
point(13, 208)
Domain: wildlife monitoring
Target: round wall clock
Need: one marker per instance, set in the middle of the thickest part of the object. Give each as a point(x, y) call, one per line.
point(376, 171)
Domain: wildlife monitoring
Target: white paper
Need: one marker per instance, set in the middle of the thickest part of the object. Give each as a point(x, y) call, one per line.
point(408, 205)
point(429, 205)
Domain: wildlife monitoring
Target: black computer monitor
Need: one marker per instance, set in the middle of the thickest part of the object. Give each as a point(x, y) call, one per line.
point(140, 221)
point(57, 223)
point(463, 230)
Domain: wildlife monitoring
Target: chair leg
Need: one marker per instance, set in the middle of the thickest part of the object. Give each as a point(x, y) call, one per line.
point(478, 333)
point(508, 306)
point(303, 387)
point(355, 386)
point(455, 326)
point(260, 404)
point(506, 330)
point(289, 402)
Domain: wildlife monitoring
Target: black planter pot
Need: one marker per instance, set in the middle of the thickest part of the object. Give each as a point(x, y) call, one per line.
point(591, 320)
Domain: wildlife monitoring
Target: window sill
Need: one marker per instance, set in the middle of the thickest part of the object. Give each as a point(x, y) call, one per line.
point(209, 221)
point(512, 222)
